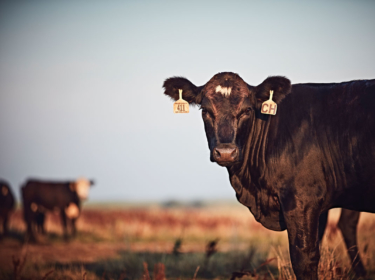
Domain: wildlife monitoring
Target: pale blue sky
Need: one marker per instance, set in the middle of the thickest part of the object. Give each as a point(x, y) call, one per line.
point(80, 83)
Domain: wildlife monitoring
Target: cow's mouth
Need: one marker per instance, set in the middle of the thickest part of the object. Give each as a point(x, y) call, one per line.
point(225, 154)
point(226, 163)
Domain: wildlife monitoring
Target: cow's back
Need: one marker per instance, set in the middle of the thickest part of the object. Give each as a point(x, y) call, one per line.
point(342, 109)
point(50, 195)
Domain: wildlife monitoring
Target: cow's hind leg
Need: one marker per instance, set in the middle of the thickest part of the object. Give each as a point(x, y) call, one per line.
point(348, 225)
point(42, 223)
point(74, 228)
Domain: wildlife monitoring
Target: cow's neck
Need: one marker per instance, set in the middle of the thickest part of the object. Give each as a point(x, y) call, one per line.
point(247, 178)
point(253, 166)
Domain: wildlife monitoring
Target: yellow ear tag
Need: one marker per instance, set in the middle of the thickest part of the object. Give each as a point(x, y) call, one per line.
point(181, 106)
point(269, 107)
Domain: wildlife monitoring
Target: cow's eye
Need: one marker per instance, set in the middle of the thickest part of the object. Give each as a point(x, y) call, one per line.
point(207, 113)
point(245, 112)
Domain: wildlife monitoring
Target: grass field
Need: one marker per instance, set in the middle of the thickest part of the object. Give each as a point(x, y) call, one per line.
point(216, 241)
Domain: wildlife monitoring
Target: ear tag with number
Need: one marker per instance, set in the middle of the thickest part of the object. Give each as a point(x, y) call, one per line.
point(269, 107)
point(181, 106)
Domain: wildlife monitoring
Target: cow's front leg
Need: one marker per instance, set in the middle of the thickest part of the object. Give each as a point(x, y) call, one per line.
point(5, 225)
point(302, 225)
point(30, 220)
point(64, 223)
point(74, 228)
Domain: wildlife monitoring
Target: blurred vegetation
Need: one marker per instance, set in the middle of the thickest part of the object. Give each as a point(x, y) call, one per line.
point(170, 241)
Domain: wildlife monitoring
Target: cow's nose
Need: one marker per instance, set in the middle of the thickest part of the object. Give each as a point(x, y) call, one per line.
point(225, 154)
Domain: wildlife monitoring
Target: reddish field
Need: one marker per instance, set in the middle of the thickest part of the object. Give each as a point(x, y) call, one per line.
point(120, 243)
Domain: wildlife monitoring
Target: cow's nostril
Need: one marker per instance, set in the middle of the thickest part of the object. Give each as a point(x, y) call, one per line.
point(217, 154)
point(234, 153)
point(225, 153)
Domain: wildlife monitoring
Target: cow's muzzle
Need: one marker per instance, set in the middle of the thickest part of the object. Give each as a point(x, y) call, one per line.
point(225, 154)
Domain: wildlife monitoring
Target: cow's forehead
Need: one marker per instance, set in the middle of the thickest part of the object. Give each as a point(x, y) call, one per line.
point(227, 88)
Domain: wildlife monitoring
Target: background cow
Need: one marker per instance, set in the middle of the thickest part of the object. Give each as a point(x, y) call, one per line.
point(40, 197)
point(6, 205)
point(316, 153)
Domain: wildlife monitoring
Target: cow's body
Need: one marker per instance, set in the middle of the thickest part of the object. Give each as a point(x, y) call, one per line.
point(316, 153)
point(320, 148)
point(40, 197)
point(6, 205)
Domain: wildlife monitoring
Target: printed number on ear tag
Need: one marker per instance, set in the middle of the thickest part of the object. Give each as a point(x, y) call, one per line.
point(181, 106)
point(269, 107)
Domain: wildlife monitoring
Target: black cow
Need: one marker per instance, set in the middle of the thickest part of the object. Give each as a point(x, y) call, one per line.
point(6, 205)
point(316, 153)
point(63, 197)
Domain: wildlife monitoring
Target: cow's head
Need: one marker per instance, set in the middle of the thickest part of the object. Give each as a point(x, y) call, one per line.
point(229, 106)
point(81, 187)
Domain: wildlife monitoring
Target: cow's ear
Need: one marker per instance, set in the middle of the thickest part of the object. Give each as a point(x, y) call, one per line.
point(281, 86)
point(190, 92)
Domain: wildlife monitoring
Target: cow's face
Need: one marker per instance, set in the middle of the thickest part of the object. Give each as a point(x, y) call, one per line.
point(81, 187)
point(229, 106)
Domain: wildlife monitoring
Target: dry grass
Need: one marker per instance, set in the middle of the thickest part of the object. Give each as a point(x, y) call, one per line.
point(218, 242)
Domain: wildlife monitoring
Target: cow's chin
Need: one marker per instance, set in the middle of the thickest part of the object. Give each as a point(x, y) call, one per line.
point(226, 163)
